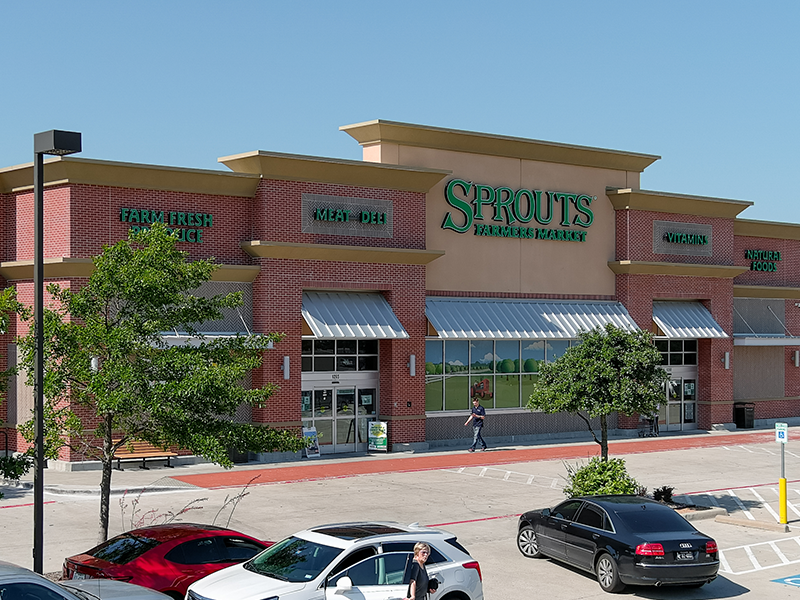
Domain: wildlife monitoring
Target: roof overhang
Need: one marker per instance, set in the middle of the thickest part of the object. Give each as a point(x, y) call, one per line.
point(766, 229)
point(363, 254)
point(491, 318)
point(64, 268)
point(664, 202)
point(778, 340)
point(764, 291)
point(379, 131)
point(74, 170)
point(686, 320)
point(351, 315)
point(293, 167)
point(635, 267)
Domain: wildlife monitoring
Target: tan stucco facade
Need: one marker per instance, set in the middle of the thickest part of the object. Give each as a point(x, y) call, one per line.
point(479, 263)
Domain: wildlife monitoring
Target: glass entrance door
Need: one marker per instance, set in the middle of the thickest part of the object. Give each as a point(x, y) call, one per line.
point(681, 409)
point(341, 416)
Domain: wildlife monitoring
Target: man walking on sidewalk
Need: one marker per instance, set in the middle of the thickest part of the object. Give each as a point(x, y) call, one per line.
point(477, 416)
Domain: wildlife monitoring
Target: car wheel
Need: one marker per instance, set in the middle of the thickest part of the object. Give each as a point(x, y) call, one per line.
point(608, 574)
point(527, 542)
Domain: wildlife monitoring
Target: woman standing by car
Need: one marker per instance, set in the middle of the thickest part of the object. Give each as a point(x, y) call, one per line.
point(418, 588)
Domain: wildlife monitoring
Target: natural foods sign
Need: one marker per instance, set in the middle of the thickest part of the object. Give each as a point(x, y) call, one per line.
point(509, 211)
point(189, 226)
point(763, 260)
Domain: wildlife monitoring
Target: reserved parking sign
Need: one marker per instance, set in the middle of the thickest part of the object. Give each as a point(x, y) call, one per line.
point(781, 433)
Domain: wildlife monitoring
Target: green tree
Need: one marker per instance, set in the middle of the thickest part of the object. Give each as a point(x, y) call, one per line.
point(611, 370)
point(106, 362)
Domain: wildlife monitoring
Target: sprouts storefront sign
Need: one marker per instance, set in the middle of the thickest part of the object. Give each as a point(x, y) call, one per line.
point(188, 225)
point(504, 212)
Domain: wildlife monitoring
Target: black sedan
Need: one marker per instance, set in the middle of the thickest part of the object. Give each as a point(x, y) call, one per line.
point(621, 539)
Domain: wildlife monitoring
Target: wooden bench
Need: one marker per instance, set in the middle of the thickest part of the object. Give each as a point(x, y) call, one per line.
point(137, 449)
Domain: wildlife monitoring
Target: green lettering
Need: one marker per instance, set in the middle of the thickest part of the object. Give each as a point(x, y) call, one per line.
point(516, 206)
point(135, 216)
point(458, 204)
point(480, 200)
point(500, 204)
point(208, 221)
point(181, 219)
point(123, 214)
point(585, 217)
point(190, 235)
point(565, 199)
point(537, 211)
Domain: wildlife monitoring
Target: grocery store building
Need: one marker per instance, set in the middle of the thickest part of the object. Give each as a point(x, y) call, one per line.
point(445, 265)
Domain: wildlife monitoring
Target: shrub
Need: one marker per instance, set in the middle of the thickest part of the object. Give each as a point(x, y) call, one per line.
point(14, 467)
point(663, 494)
point(600, 477)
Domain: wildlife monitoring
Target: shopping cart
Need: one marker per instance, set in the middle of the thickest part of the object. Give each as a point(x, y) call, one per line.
point(647, 427)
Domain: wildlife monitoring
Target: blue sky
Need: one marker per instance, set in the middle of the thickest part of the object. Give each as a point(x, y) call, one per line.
point(710, 86)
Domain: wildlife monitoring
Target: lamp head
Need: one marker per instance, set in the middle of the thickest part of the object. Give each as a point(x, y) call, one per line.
point(57, 142)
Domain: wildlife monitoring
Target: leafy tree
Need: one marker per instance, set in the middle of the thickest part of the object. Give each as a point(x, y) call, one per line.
point(611, 370)
point(110, 378)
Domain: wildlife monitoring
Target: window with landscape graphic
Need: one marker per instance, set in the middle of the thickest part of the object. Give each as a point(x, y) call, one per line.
point(499, 372)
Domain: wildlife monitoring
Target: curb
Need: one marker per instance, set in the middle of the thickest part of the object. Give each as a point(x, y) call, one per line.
point(702, 515)
point(779, 527)
point(95, 491)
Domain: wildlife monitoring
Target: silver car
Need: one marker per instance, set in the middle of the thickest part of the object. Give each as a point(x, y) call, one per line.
point(20, 583)
point(346, 560)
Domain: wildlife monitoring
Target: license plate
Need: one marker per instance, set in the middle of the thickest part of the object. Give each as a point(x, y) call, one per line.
point(685, 555)
point(77, 575)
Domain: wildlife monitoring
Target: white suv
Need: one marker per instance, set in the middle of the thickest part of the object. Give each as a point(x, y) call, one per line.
point(369, 561)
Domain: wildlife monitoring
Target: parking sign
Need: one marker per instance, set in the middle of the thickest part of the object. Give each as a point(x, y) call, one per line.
point(781, 433)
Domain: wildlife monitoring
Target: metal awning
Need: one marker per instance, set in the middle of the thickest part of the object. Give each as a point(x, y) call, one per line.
point(687, 320)
point(351, 315)
point(488, 318)
point(765, 340)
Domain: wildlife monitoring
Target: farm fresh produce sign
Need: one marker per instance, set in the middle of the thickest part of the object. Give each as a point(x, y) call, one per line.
point(509, 211)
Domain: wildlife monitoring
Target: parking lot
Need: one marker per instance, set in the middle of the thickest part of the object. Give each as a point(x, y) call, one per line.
point(479, 503)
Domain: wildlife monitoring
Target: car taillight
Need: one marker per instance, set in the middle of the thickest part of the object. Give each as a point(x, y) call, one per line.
point(650, 550)
point(474, 565)
point(711, 547)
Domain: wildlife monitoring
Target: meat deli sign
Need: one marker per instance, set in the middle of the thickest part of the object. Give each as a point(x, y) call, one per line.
point(504, 212)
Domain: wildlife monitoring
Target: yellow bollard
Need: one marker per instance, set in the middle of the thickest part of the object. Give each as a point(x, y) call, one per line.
point(782, 499)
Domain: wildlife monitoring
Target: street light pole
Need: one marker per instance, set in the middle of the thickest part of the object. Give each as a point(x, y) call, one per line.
point(58, 143)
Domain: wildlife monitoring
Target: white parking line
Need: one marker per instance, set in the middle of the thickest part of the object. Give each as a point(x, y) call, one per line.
point(780, 554)
point(791, 506)
point(483, 471)
point(752, 558)
point(767, 506)
point(507, 475)
point(530, 479)
point(747, 449)
point(741, 505)
point(725, 555)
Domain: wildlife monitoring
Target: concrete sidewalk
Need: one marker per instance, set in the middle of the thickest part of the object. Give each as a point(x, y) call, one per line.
point(210, 476)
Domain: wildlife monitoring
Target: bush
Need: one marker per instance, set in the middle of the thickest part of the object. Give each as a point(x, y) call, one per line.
point(600, 477)
point(14, 467)
point(663, 494)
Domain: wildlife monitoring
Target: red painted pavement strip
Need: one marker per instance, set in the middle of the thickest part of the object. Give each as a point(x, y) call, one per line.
point(29, 504)
point(429, 462)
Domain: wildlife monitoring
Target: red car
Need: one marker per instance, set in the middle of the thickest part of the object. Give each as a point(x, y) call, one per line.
point(167, 558)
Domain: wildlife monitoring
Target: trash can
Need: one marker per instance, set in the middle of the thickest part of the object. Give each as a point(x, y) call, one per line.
point(744, 414)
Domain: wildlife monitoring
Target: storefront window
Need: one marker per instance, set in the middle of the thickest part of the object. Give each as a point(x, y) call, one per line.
point(501, 373)
point(434, 389)
point(532, 356)
point(456, 392)
point(339, 355)
point(556, 349)
point(507, 391)
point(677, 352)
point(456, 357)
point(482, 356)
point(507, 357)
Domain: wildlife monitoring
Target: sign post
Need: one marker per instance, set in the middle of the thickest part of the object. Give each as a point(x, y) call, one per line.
point(782, 437)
